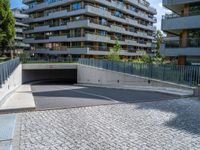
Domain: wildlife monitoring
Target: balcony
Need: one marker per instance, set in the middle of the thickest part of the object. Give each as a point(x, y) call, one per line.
point(58, 26)
point(173, 48)
point(89, 9)
point(54, 15)
point(117, 5)
point(90, 23)
point(176, 2)
point(177, 5)
point(176, 22)
point(90, 50)
point(144, 6)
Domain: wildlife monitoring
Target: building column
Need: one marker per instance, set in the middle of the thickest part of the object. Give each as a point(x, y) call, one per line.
point(181, 60)
point(184, 37)
point(186, 10)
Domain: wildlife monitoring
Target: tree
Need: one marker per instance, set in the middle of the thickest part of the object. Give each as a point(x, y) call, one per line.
point(159, 40)
point(7, 26)
point(114, 52)
point(2, 36)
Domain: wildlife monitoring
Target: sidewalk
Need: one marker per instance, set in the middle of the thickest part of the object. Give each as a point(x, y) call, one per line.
point(7, 127)
point(22, 98)
point(175, 91)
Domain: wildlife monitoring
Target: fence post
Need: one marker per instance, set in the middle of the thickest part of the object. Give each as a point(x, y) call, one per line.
point(151, 70)
point(163, 73)
point(197, 91)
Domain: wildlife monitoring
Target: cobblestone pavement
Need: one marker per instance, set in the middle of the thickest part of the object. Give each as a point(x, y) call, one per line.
point(163, 125)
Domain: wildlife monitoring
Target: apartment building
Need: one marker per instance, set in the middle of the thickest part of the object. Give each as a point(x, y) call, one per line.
point(90, 28)
point(19, 27)
point(183, 31)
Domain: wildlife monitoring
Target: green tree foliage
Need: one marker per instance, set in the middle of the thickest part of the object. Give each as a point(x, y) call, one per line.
point(159, 40)
point(115, 52)
point(7, 26)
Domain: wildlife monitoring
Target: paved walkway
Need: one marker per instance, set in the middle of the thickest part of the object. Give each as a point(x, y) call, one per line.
point(163, 125)
point(133, 120)
point(7, 127)
point(22, 98)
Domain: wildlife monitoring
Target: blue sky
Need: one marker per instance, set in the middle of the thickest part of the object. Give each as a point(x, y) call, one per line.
point(155, 3)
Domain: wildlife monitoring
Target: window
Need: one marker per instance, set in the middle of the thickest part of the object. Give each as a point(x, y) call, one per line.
point(103, 21)
point(76, 6)
point(117, 14)
point(103, 33)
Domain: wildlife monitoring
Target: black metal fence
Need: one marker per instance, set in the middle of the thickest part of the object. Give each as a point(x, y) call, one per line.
point(187, 75)
point(6, 69)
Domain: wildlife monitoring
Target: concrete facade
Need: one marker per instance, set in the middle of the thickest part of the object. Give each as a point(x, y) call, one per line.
point(58, 27)
point(19, 28)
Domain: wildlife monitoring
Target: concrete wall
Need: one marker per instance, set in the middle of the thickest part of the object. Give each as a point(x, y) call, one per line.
point(92, 75)
point(13, 82)
point(48, 66)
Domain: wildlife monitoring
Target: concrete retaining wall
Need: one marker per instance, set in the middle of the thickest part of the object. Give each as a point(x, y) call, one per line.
point(92, 75)
point(13, 82)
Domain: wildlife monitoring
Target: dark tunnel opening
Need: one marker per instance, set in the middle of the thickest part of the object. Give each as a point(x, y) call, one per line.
point(54, 76)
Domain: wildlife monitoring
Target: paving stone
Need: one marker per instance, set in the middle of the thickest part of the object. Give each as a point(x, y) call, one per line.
point(164, 125)
point(7, 126)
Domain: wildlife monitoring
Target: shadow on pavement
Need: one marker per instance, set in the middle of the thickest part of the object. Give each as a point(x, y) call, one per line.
point(187, 114)
point(66, 96)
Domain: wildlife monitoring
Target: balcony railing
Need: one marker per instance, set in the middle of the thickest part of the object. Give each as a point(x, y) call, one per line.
point(173, 15)
point(6, 69)
point(96, 7)
point(193, 42)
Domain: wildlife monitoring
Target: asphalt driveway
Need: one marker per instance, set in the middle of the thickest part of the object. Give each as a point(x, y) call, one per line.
point(56, 96)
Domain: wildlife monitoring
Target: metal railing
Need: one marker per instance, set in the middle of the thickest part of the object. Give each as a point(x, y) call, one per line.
point(6, 69)
point(174, 15)
point(49, 60)
point(191, 42)
point(186, 75)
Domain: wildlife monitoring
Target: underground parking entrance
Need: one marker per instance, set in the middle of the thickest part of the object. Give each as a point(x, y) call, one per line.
point(55, 87)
